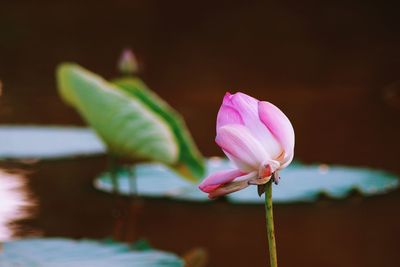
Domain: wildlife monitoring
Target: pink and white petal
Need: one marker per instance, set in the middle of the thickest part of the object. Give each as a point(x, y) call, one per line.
point(228, 115)
point(279, 125)
point(227, 189)
point(286, 160)
point(268, 167)
point(247, 107)
point(237, 140)
point(239, 164)
point(259, 181)
point(217, 179)
point(227, 99)
point(246, 177)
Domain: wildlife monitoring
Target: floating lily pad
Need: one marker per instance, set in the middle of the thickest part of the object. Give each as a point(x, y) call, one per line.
point(47, 142)
point(299, 182)
point(60, 252)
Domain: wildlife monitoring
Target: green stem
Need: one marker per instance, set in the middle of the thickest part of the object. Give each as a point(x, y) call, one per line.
point(133, 192)
point(134, 206)
point(270, 224)
point(113, 169)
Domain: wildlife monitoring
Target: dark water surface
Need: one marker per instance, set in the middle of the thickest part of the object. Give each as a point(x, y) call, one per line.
point(353, 232)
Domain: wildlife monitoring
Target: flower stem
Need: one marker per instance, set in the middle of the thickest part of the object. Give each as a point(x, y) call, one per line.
point(270, 224)
point(134, 207)
point(133, 193)
point(117, 209)
point(113, 169)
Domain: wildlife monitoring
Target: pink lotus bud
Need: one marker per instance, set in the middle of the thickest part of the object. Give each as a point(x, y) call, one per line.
point(257, 137)
point(127, 63)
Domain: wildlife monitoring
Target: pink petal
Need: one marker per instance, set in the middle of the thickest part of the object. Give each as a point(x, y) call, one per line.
point(238, 142)
point(260, 181)
point(287, 160)
point(247, 177)
point(279, 125)
point(247, 107)
point(228, 115)
point(227, 189)
point(217, 179)
point(238, 163)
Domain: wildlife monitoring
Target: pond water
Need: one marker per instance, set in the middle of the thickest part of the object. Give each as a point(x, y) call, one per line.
point(324, 233)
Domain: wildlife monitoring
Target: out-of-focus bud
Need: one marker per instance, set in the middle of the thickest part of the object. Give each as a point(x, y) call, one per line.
point(127, 63)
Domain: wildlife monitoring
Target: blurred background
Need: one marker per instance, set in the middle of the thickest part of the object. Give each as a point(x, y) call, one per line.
point(332, 67)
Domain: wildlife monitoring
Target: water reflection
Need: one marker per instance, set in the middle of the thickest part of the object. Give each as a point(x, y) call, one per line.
point(15, 203)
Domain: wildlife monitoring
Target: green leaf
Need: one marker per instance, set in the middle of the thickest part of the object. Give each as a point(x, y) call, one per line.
point(190, 163)
point(128, 127)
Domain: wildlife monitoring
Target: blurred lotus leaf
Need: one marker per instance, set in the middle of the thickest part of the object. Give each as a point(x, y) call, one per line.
point(190, 160)
point(31, 142)
point(57, 252)
point(133, 122)
point(299, 183)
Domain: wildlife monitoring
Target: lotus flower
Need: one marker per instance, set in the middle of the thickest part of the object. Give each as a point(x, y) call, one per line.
point(257, 137)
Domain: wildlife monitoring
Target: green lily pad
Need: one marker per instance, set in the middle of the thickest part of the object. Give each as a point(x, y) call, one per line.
point(128, 127)
point(61, 252)
point(47, 142)
point(299, 183)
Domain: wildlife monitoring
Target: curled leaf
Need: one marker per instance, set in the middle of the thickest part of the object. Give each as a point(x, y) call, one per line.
point(128, 127)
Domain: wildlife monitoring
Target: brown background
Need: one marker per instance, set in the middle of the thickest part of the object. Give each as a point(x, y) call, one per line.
point(333, 67)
